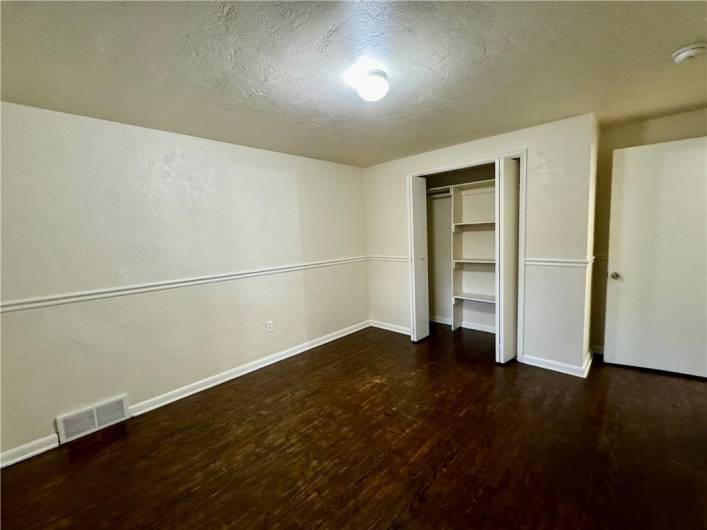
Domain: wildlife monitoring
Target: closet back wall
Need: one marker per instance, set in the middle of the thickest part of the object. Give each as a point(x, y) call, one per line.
point(439, 255)
point(90, 204)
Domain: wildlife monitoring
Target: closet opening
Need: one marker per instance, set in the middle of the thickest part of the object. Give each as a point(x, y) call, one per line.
point(465, 246)
point(460, 247)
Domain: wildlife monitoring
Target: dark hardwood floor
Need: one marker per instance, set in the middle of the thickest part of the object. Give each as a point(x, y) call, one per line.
point(372, 431)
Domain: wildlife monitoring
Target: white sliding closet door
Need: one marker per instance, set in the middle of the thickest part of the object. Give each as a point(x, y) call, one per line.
point(507, 191)
point(655, 309)
point(420, 318)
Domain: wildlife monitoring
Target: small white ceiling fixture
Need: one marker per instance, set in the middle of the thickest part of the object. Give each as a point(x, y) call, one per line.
point(688, 52)
point(369, 79)
point(373, 86)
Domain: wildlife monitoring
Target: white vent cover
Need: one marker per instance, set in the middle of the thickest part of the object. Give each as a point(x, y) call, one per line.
point(85, 421)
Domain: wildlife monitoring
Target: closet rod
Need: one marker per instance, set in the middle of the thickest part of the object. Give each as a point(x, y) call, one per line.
point(442, 191)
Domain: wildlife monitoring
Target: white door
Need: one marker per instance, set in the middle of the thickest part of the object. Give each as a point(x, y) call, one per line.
point(507, 190)
point(656, 292)
point(420, 318)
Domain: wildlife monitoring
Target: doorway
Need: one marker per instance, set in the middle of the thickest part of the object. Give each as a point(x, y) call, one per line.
point(466, 241)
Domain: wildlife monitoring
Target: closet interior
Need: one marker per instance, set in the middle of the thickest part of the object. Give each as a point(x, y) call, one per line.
point(473, 250)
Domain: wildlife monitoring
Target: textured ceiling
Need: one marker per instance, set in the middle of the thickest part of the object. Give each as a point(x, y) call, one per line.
point(270, 74)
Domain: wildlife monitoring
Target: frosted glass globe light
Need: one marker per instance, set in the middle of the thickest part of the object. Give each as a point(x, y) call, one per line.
point(373, 85)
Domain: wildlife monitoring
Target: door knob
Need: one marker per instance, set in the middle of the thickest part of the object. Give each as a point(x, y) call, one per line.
point(615, 276)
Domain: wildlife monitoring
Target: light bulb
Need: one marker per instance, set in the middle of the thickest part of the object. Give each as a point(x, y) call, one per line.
point(373, 85)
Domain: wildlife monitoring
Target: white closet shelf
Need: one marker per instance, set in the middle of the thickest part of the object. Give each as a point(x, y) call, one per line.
point(475, 223)
point(475, 260)
point(476, 297)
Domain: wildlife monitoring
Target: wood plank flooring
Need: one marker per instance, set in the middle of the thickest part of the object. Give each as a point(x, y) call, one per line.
point(372, 431)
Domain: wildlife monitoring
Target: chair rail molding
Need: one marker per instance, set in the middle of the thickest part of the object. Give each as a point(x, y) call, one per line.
point(560, 262)
point(404, 259)
point(110, 292)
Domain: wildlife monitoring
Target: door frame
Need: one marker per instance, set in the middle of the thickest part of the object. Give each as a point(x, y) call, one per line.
point(522, 154)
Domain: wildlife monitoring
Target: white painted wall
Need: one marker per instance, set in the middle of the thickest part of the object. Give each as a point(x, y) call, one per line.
point(680, 126)
point(90, 204)
point(559, 225)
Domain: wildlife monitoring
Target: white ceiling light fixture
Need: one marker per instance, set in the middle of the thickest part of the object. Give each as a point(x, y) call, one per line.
point(373, 86)
point(369, 79)
point(688, 52)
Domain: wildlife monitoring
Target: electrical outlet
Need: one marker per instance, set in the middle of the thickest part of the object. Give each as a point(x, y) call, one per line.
point(269, 326)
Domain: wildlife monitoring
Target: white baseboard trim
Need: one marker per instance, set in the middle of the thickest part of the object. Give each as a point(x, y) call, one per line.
point(569, 369)
point(441, 320)
point(198, 386)
point(28, 450)
point(390, 327)
point(35, 447)
point(588, 357)
point(478, 327)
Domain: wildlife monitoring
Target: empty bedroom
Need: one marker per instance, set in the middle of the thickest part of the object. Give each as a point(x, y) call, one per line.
point(353, 265)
